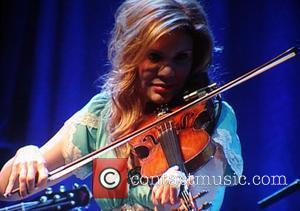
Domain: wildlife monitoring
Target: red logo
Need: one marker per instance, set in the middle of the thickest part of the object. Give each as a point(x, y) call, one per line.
point(110, 178)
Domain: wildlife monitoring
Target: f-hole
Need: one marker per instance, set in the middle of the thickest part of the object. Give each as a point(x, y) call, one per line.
point(150, 138)
point(142, 152)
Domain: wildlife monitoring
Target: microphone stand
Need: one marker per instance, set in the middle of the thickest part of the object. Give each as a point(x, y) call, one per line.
point(287, 190)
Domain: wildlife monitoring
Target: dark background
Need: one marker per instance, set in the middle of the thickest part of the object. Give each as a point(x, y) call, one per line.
point(52, 52)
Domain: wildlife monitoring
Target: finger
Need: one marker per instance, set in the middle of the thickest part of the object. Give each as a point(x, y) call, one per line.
point(31, 172)
point(155, 192)
point(158, 194)
point(165, 196)
point(11, 181)
point(153, 195)
point(173, 168)
point(173, 195)
point(153, 198)
point(42, 175)
point(22, 180)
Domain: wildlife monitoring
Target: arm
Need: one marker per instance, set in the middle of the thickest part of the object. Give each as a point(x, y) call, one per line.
point(28, 169)
point(79, 131)
point(226, 136)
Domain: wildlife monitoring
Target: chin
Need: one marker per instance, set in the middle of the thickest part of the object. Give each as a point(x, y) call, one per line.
point(160, 99)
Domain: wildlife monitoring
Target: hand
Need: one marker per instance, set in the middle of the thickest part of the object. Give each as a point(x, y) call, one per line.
point(29, 167)
point(166, 190)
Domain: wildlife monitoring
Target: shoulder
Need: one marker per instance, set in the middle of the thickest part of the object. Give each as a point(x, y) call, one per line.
point(90, 114)
point(96, 104)
point(226, 136)
point(227, 117)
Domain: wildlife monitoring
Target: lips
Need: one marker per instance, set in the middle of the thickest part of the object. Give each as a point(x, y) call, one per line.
point(162, 88)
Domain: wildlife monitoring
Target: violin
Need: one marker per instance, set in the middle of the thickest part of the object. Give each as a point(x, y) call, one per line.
point(182, 139)
point(180, 131)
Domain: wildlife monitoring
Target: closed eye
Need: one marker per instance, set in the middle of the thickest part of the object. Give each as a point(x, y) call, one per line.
point(154, 57)
point(183, 57)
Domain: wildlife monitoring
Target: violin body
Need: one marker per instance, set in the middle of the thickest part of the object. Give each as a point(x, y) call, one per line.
point(188, 128)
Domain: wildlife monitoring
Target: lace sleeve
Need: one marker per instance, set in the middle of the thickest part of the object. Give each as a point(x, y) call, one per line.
point(225, 135)
point(79, 133)
point(76, 128)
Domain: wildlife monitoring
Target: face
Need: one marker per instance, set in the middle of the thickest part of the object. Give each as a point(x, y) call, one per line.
point(166, 67)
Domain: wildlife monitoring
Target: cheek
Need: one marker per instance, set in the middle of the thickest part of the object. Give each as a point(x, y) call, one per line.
point(146, 73)
point(183, 74)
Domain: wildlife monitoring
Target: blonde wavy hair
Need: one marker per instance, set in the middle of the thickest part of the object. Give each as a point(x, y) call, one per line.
point(138, 24)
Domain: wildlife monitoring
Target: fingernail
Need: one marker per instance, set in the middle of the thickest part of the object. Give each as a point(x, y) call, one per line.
point(6, 195)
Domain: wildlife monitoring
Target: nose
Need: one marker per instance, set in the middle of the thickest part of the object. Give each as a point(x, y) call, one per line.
point(166, 71)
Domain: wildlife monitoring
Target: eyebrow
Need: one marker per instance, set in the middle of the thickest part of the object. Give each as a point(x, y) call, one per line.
point(188, 50)
point(161, 52)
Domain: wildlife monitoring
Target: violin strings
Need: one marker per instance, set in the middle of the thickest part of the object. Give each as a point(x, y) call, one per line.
point(169, 138)
point(186, 198)
point(184, 193)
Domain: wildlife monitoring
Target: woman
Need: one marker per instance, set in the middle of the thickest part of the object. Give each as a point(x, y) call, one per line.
point(156, 55)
